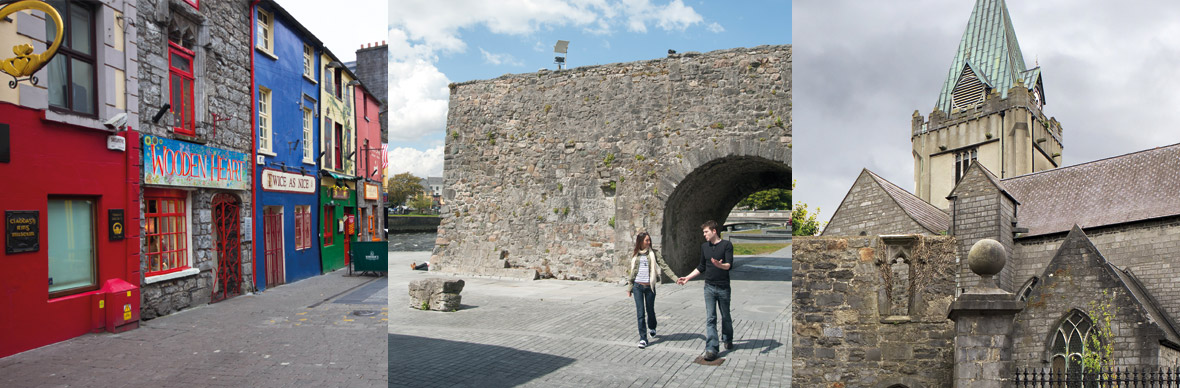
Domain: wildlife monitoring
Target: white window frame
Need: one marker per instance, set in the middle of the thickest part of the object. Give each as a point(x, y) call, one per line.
point(308, 62)
point(265, 41)
point(265, 134)
point(308, 151)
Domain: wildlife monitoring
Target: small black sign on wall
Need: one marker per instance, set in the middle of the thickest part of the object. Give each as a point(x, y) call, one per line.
point(5, 155)
point(22, 231)
point(115, 223)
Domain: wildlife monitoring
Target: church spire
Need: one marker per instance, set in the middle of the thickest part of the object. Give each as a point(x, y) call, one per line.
point(988, 58)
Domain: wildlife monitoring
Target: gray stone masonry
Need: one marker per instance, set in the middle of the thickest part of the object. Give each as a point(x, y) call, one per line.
point(981, 211)
point(556, 172)
point(868, 210)
point(221, 42)
point(983, 323)
point(1079, 278)
point(436, 294)
point(372, 67)
point(842, 335)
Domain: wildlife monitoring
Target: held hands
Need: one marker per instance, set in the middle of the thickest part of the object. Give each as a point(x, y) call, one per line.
point(682, 280)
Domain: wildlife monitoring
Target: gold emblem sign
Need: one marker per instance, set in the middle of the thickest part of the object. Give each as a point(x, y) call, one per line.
point(26, 63)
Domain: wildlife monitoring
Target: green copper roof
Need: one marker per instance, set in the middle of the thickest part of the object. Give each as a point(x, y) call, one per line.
point(990, 49)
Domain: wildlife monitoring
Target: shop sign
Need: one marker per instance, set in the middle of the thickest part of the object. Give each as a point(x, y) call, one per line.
point(372, 191)
point(274, 180)
point(21, 231)
point(168, 162)
point(340, 192)
point(116, 224)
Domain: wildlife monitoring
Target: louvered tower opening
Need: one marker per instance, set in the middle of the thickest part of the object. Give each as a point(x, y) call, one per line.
point(968, 91)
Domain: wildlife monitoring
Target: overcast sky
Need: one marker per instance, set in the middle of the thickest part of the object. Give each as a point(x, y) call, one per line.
point(434, 43)
point(342, 29)
point(1110, 70)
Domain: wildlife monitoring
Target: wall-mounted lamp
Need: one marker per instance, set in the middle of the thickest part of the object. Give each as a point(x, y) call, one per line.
point(160, 113)
point(294, 144)
point(335, 65)
point(354, 82)
point(350, 154)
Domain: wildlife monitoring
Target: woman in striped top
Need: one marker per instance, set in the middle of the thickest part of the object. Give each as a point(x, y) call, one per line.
point(641, 284)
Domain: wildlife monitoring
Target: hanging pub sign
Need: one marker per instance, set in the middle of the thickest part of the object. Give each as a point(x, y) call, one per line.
point(339, 192)
point(274, 180)
point(372, 191)
point(116, 224)
point(21, 231)
point(168, 162)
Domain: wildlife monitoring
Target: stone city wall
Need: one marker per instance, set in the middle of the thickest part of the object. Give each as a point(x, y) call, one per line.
point(553, 173)
point(843, 334)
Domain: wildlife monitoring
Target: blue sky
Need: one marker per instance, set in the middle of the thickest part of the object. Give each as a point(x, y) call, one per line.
point(434, 43)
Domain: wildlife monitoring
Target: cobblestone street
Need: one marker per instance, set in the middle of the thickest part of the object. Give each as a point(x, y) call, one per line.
point(583, 334)
point(325, 331)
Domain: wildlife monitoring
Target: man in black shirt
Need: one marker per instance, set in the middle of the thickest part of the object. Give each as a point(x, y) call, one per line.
point(716, 260)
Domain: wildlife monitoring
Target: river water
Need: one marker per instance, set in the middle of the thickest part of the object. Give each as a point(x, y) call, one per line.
point(412, 242)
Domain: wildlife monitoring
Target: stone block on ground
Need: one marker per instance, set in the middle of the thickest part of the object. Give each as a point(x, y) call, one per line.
point(436, 294)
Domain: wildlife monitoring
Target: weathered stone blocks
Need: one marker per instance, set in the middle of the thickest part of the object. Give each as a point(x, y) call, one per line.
point(436, 294)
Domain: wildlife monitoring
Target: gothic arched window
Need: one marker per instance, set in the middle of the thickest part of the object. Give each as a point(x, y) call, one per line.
point(1066, 349)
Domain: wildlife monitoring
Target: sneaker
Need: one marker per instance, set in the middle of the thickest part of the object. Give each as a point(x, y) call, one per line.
point(728, 345)
point(709, 356)
point(642, 344)
point(651, 333)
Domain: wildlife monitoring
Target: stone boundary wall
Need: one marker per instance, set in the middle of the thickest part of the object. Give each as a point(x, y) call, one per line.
point(398, 224)
point(842, 337)
point(555, 172)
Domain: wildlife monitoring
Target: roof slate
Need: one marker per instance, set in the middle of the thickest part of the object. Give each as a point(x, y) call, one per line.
point(1132, 187)
point(930, 217)
point(989, 45)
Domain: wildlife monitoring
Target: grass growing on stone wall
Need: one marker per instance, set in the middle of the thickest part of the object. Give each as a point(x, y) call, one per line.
point(756, 249)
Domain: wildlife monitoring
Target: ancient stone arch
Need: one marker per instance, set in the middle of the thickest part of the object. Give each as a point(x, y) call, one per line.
point(562, 169)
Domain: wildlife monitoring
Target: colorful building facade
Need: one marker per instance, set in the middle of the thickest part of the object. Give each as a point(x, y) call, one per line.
point(198, 162)
point(370, 169)
point(286, 59)
point(68, 162)
point(338, 179)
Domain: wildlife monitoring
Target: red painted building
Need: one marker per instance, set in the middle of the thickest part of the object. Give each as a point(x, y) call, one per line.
point(369, 170)
point(70, 172)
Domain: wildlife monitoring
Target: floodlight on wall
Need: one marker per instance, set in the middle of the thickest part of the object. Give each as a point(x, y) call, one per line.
point(354, 82)
point(335, 65)
point(562, 47)
point(160, 113)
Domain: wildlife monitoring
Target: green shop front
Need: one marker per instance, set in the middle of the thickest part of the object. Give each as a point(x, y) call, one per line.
point(338, 224)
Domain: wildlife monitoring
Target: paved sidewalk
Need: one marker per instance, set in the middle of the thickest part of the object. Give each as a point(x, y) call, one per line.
point(555, 333)
point(295, 335)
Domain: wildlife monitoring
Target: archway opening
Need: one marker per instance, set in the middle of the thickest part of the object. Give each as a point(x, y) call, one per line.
point(710, 192)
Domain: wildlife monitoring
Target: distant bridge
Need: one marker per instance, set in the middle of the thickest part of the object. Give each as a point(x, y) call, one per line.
point(759, 217)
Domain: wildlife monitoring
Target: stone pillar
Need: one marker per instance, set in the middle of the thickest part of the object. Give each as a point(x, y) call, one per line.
point(983, 317)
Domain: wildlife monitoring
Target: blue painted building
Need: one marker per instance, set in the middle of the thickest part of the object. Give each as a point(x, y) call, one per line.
point(286, 98)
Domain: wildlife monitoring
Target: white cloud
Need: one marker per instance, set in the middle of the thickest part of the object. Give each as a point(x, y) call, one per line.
point(500, 59)
point(715, 28)
point(417, 100)
point(420, 163)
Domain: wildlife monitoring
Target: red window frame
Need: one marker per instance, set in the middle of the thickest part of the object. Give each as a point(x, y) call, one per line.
point(195, 3)
point(338, 83)
point(339, 157)
point(182, 100)
point(329, 225)
point(302, 227)
point(166, 231)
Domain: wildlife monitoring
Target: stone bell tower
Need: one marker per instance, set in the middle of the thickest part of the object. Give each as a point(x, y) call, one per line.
point(989, 111)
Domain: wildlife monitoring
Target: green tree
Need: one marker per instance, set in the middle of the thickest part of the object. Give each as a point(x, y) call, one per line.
point(421, 203)
point(802, 223)
point(772, 199)
point(402, 186)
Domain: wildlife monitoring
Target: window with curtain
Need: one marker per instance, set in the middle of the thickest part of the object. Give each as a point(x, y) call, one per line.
point(72, 266)
point(72, 72)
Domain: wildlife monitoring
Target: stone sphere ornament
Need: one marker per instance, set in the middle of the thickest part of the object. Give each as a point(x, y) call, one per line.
point(987, 258)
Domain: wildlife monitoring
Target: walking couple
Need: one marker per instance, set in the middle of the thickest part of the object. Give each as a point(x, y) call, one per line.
point(716, 261)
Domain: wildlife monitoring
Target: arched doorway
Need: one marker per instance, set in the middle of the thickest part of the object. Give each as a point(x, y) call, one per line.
point(227, 234)
point(710, 192)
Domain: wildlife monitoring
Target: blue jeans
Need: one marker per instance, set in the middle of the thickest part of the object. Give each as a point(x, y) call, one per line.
point(645, 300)
point(717, 298)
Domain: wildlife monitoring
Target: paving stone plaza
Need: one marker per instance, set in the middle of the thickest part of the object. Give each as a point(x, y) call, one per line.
point(556, 333)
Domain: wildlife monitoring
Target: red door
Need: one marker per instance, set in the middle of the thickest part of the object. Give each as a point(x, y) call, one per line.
point(227, 230)
point(272, 231)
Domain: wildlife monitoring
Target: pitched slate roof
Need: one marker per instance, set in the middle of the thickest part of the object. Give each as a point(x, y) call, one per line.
point(990, 48)
point(930, 217)
point(1133, 187)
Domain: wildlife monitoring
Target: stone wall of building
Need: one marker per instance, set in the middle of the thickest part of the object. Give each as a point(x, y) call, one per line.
point(220, 36)
point(372, 67)
point(1080, 279)
point(981, 211)
point(555, 172)
point(868, 210)
point(1142, 247)
point(843, 337)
